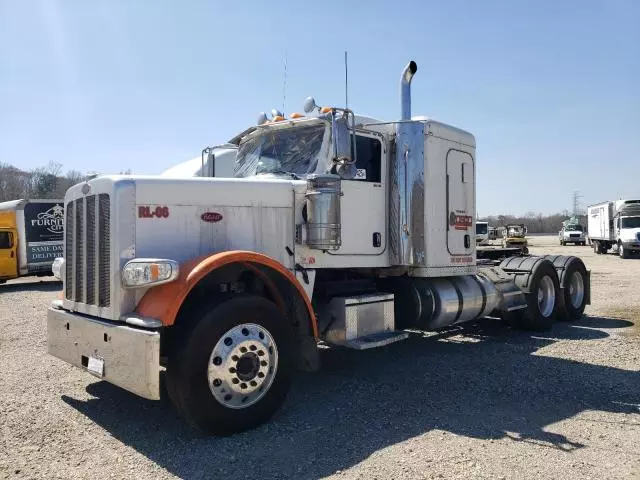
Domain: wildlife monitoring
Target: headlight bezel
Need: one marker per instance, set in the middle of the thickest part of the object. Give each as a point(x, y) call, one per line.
point(148, 272)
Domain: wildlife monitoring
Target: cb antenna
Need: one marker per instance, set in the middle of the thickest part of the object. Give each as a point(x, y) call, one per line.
point(346, 81)
point(284, 86)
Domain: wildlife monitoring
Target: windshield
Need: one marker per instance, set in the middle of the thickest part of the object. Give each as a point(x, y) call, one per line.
point(630, 222)
point(573, 228)
point(481, 228)
point(280, 151)
point(515, 231)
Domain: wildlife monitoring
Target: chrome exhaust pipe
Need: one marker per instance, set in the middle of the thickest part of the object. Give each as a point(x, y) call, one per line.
point(405, 90)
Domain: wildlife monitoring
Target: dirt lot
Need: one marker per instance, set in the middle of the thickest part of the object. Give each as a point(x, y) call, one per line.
point(481, 402)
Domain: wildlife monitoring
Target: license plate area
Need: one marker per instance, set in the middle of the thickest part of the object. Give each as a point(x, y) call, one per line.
point(94, 365)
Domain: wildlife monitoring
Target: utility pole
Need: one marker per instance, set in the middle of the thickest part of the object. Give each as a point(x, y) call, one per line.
point(576, 202)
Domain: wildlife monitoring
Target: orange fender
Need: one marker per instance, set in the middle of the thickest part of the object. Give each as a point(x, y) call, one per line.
point(164, 301)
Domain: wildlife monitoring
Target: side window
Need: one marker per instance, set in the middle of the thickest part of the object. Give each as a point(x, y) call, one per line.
point(6, 240)
point(369, 159)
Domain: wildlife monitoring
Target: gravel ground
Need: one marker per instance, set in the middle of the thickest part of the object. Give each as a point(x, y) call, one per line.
point(480, 402)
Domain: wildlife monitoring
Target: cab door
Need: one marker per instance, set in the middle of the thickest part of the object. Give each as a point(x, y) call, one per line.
point(8, 254)
point(363, 200)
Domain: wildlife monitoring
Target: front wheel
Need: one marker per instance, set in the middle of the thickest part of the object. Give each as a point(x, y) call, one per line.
point(234, 369)
point(622, 252)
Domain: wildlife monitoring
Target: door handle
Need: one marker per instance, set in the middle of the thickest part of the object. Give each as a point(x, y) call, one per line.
point(11, 254)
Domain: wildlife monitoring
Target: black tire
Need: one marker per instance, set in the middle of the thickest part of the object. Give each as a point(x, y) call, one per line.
point(529, 273)
point(187, 377)
point(525, 251)
point(622, 252)
point(573, 296)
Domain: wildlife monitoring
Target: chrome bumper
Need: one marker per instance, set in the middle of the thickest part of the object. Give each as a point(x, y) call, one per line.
point(131, 356)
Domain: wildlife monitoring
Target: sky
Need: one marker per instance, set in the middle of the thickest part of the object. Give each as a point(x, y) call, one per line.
point(551, 90)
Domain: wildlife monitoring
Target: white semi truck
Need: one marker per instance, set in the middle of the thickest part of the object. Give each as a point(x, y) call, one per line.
point(615, 225)
point(337, 229)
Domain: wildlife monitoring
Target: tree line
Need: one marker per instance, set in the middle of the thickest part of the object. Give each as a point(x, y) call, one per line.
point(42, 182)
point(535, 222)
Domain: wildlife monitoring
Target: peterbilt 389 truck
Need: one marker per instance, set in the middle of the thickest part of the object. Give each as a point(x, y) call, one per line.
point(337, 230)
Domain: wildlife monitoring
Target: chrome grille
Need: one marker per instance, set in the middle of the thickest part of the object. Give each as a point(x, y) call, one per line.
point(68, 249)
point(87, 252)
point(104, 258)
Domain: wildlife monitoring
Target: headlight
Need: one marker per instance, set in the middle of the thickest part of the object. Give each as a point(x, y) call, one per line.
point(58, 268)
point(148, 271)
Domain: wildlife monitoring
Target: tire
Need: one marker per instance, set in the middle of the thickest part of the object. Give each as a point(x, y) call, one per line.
point(217, 355)
point(622, 252)
point(525, 251)
point(572, 298)
point(537, 316)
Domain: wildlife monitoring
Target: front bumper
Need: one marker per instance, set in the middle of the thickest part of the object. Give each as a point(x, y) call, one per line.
point(130, 356)
point(633, 245)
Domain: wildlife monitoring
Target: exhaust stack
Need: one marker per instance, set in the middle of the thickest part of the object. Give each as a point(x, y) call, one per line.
point(405, 90)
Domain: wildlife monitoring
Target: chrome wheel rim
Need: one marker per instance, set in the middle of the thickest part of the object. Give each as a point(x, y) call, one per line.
point(242, 366)
point(576, 290)
point(546, 296)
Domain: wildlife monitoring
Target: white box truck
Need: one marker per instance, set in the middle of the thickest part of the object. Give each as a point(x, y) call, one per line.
point(615, 225)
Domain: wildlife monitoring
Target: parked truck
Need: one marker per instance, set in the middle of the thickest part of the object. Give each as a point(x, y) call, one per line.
point(482, 233)
point(338, 229)
point(514, 236)
point(615, 225)
point(572, 232)
point(31, 234)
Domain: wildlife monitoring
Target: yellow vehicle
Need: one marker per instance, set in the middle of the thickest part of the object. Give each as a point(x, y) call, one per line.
point(514, 236)
point(31, 237)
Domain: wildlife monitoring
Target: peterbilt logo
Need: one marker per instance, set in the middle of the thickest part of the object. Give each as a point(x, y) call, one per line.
point(460, 222)
point(211, 217)
point(52, 219)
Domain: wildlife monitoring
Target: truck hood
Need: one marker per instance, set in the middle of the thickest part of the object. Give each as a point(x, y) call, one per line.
point(630, 234)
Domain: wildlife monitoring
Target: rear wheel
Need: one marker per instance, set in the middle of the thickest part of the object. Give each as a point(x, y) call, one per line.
point(572, 298)
point(541, 298)
point(234, 369)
